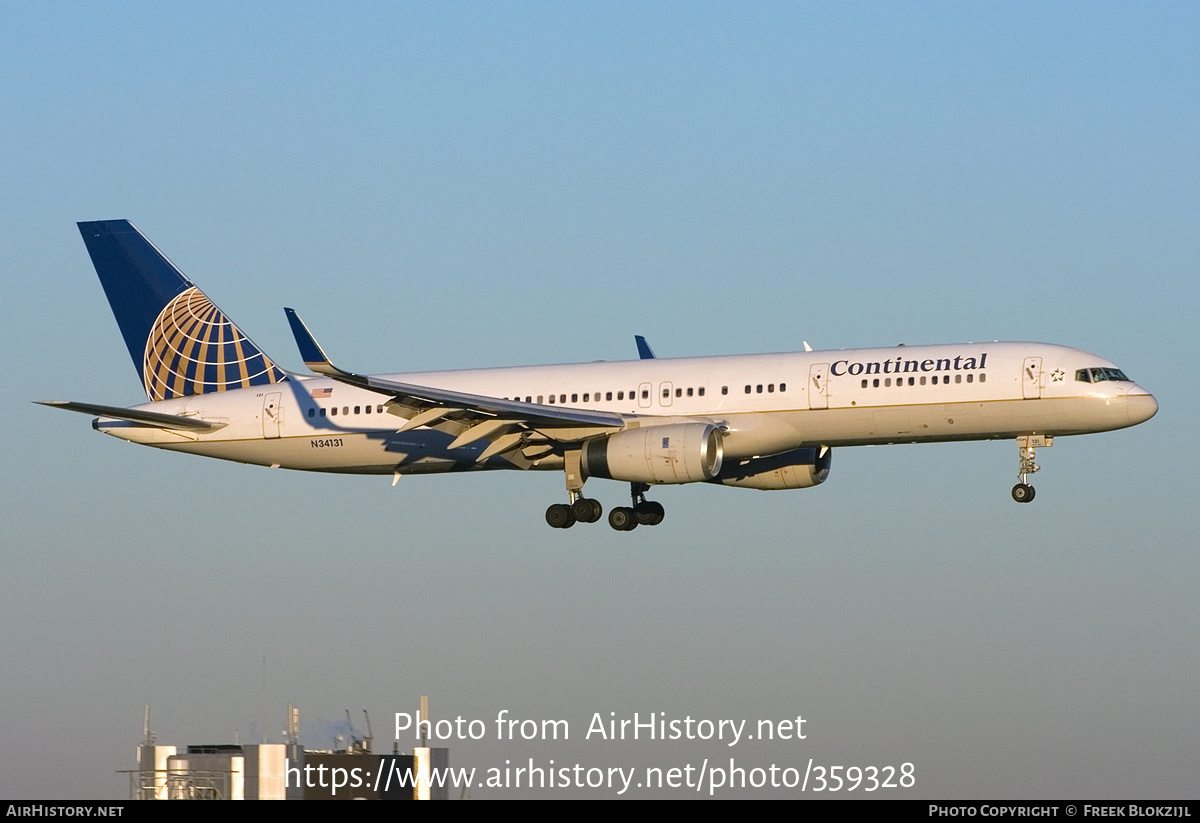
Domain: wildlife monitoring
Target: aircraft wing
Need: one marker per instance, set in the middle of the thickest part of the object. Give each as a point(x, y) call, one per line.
point(508, 425)
point(145, 418)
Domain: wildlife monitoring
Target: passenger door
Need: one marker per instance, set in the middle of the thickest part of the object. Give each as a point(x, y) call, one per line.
point(1031, 378)
point(272, 415)
point(818, 386)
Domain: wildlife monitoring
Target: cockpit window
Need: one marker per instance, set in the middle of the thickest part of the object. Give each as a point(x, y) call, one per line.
point(1100, 375)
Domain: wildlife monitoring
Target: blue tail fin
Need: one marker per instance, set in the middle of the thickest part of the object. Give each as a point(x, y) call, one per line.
point(181, 344)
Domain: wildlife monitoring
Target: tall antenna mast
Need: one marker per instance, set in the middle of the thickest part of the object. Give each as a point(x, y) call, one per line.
point(424, 723)
point(147, 735)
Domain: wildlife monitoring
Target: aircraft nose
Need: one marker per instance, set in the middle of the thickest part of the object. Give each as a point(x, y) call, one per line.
point(1140, 405)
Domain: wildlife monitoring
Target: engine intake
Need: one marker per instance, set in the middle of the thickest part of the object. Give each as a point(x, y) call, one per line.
point(675, 453)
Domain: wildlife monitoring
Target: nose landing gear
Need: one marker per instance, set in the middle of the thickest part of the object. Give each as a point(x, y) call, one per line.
point(1023, 492)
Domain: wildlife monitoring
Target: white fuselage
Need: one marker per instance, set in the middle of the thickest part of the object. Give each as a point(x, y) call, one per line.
point(765, 403)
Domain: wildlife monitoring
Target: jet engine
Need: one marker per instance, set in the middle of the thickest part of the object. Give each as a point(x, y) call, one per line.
point(797, 469)
point(675, 453)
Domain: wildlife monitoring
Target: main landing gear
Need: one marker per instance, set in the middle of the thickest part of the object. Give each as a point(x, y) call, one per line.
point(643, 512)
point(623, 518)
point(583, 510)
point(1023, 492)
point(580, 510)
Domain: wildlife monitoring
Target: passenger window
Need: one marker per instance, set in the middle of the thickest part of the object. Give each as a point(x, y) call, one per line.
point(783, 386)
point(369, 409)
point(758, 388)
point(875, 382)
point(922, 380)
point(679, 392)
point(539, 400)
point(608, 395)
point(970, 378)
point(912, 381)
point(645, 394)
point(345, 409)
point(689, 391)
point(562, 398)
point(333, 411)
point(620, 395)
point(322, 412)
point(666, 393)
point(358, 409)
point(982, 378)
point(935, 380)
point(551, 400)
point(574, 398)
point(887, 382)
point(770, 388)
point(747, 389)
point(724, 390)
point(701, 390)
point(864, 385)
point(312, 412)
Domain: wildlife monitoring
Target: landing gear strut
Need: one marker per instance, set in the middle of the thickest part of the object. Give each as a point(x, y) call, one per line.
point(1023, 492)
point(581, 509)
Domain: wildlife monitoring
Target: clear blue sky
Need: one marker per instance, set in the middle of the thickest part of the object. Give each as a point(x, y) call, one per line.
point(457, 185)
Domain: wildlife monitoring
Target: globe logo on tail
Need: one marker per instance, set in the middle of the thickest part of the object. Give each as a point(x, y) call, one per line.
point(193, 348)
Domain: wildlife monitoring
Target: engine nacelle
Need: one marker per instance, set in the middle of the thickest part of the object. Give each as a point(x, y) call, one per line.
point(676, 453)
point(797, 469)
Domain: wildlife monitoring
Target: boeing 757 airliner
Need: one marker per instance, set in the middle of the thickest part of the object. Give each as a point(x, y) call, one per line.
point(763, 421)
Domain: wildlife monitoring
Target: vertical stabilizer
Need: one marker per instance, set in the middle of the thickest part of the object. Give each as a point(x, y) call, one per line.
point(180, 343)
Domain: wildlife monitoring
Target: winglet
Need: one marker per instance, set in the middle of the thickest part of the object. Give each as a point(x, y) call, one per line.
point(310, 350)
point(644, 350)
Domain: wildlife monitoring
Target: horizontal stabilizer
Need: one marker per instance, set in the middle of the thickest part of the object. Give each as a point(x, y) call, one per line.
point(157, 419)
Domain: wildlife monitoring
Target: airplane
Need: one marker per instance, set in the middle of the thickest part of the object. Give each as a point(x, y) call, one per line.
point(762, 421)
